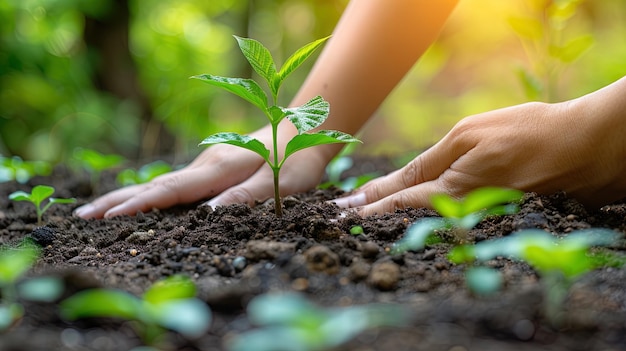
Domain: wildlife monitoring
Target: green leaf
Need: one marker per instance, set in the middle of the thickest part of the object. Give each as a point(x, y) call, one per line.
point(102, 303)
point(40, 193)
point(488, 197)
point(171, 288)
point(54, 200)
point(44, 289)
point(572, 49)
point(532, 86)
point(95, 161)
point(310, 115)
point(416, 236)
point(247, 89)
point(483, 280)
point(260, 59)
point(322, 137)
point(294, 61)
point(525, 27)
point(16, 261)
point(242, 141)
point(190, 317)
point(447, 206)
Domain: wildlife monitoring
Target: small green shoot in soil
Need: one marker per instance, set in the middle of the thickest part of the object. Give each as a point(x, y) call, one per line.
point(338, 166)
point(167, 304)
point(459, 216)
point(95, 163)
point(559, 262)
point(357, 230)
point(144, 174)
point(14, 263)
point(305, 118)
point(288, 321)
point(14, 168)
point(37, 196)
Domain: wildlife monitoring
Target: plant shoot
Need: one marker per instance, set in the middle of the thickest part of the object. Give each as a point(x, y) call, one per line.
point(37, 196)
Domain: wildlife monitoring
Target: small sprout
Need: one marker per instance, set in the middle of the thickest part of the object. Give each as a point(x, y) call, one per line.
point(14, 168)
point(38, 195)
point(305, 118)
point(145, 174)
point(14, 263)
point(340, 164)
point(459, 216)
point(559, 262)
point(290, 322)
point(357, 230)
point(95, 163)
point(167, 304)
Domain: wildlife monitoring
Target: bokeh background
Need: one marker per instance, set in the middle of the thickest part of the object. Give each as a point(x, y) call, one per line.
point(112, 75)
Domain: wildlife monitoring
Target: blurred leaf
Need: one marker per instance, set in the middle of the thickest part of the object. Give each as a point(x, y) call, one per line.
point(102, 303)
point(190, 317)
point(573, 49)
point(44, 289)
point(483, 280)
point(171, 288)
point(526, 27)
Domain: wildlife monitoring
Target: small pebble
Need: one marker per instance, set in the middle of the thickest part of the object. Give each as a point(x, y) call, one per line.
point(384, 275)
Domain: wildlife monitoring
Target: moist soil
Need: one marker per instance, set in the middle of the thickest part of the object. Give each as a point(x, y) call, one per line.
point(237, 252)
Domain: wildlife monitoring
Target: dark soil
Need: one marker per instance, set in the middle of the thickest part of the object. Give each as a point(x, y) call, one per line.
point(309, 250)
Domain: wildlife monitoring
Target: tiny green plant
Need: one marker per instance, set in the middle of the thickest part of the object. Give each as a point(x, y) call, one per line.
point(95, 163)
point(290, 322)
point(15, 261)
point(37, 197)
point(338, 166)
point(559, 261)
point(167, 304)
point(144, 174)
point(305, 118)
point(459, 216)
point(14, 168)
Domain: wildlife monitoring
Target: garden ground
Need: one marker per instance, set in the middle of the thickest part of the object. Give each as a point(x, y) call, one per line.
point(237, 252)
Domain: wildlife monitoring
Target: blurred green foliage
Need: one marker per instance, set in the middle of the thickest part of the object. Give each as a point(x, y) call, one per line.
point(112, 75)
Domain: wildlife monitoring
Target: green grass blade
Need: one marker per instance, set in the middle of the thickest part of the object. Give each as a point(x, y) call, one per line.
point(310, 115)
point(242, 141)
point(247, 89)
point(322, 137)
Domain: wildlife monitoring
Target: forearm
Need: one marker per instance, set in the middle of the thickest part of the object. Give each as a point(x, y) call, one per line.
point(374, 45)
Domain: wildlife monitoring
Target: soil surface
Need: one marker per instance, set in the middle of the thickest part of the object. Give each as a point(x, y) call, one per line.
point(237, 252)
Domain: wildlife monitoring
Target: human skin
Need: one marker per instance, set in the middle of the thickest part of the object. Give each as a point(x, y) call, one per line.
point(372, 48)
point(577, 146)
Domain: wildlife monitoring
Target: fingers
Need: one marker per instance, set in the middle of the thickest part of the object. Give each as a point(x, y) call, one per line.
point(416, 196)
point(404, 184)
point(257, 187)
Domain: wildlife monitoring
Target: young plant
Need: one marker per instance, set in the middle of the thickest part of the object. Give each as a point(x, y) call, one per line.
point(340, 164)
point(14, 263)
point(290, 322)
point(305, 118)
point(145, 174)
point(167, 304)
point(460, 216)
point(37, 196)
point(559, 262)
point(95, 163)
point(14, 168)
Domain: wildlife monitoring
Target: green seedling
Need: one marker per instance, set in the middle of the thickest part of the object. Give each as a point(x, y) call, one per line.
point(167, 304)
point(144, 174)
point(305, 118)
point(289, 322)
point(559, 261)
point(37, 196)
point(95, 163)
point(357, 230)
point(14, 263)
point(14, 168)
point(459, 216)
point(338, 166)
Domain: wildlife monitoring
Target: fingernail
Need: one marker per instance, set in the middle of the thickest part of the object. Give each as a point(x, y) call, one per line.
point(351, 201)
point(85, 210)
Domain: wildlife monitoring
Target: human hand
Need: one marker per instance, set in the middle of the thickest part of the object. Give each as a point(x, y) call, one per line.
point(224, 173)
point(577, 147)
